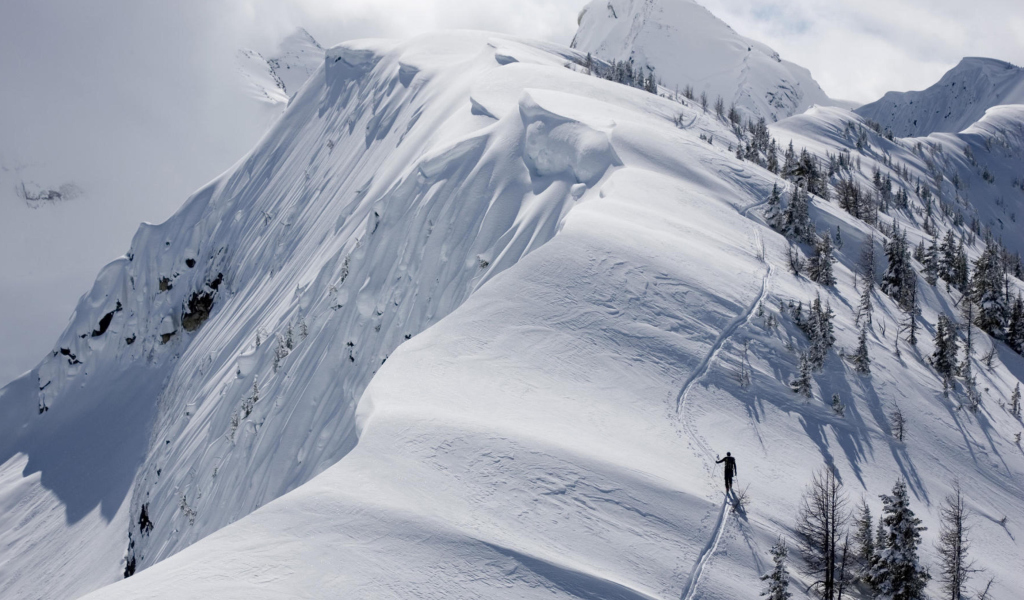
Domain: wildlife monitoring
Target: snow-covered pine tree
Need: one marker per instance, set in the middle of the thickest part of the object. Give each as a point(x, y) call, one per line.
point(802, 384)
point(820, 528)
point(863, 540)
point(1015, 326)
point(820, 268)
point(931, 262)
point(778, 580)
point(987, 290)
point(896, 573)
point(861, 360)
point(867, 262)
point(848, 193)
point(944, 358)
point(955, 567)
point(1015, 401)
point(899, 278)
point(797, 221)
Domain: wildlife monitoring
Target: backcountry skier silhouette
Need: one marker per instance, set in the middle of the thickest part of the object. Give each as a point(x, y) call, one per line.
point(730, 470)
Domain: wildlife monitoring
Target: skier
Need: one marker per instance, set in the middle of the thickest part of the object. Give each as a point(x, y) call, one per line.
point(730, 470)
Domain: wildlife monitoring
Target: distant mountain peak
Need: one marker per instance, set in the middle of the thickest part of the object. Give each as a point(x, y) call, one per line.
point(687, 45)
point(277, 78)
point(957, 100)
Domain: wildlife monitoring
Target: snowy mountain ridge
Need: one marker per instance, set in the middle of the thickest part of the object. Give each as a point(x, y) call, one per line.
point(470, 322)
point(953, 103)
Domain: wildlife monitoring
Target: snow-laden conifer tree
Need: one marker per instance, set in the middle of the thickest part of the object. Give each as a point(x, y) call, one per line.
point(778, 579)
point(863, 540)
point(820, 268)
point(987, 290)
point(899, 278)
point(773, 210)
point(797, 221)
point(896, 573)
point(861, 360)
point(944, 358)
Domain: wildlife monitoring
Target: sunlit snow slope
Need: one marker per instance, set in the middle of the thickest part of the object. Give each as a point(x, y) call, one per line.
point(554, 436)
point(469, 323)
point(688, 46)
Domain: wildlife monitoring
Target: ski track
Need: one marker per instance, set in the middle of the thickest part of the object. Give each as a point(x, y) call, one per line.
point(690, 428)
point(707, 553)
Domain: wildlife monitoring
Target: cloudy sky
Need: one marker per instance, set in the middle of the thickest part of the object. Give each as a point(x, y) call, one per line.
point(139, 102)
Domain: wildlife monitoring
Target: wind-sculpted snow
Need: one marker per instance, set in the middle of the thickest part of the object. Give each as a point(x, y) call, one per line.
point(468, 323)
point(257, 315)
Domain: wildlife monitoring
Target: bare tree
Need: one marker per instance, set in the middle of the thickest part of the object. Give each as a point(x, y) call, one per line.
point(821, 534)
point(954, 565)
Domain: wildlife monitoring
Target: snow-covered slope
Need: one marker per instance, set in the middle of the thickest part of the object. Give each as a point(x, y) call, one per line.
point(956, 101)
point(469, 323)
point(687, 45)
point(278, 78)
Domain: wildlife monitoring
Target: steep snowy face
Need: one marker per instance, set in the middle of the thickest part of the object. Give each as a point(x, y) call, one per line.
point(217, 364)
point(688, 46)
point(959, 99)
point(278, 78)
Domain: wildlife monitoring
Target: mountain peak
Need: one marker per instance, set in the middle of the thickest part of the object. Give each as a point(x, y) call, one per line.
point(957, 100)
point(687, 45)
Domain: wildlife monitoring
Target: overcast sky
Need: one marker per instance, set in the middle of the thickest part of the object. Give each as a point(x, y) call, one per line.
point(139, 102)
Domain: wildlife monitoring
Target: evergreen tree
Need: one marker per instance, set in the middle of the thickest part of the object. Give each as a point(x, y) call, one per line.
point(864, 308)
point(944, 357)
point(898, 423)
point(899, 279)
point(863, 542)
point(778, 579)
point(1015, 401)
point(930, 260)
point(797, 221)
point(1015, 326)
point(954, 565)
point(895, 572)
point(987, 291)
point(849, 196)
point(802, 384)
point(773, 211)
point(910, 326)
point(789, 162)
point(861, 360)
point(772, 158)
point(867, 262)
point(820, 268)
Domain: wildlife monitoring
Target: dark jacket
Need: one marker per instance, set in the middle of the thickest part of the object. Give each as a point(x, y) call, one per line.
point(730, 466)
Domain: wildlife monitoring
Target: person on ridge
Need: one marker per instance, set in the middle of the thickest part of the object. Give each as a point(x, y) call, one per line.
point(730, 470)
